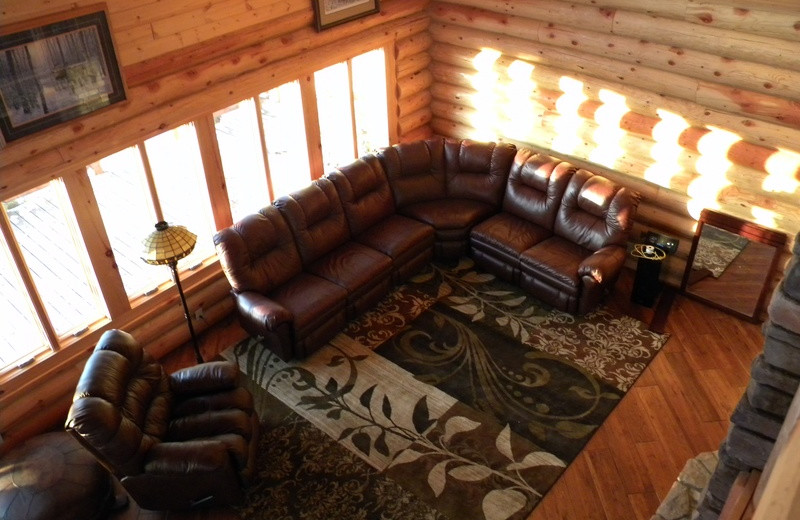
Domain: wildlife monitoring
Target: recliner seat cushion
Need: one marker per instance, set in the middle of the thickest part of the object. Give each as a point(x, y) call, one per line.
point(311, 300)
point(505, 236)
point(454, 215)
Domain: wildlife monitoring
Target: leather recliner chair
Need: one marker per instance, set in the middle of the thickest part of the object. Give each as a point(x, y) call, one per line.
point(174, 441)
point(293, 311)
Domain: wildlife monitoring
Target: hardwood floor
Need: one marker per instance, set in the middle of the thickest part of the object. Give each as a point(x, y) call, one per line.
point(678, 408)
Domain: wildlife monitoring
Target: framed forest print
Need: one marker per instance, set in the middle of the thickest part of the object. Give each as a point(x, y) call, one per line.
point(328, 13)
point(56, 69)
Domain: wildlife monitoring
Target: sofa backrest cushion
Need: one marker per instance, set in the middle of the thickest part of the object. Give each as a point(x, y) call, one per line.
point(364, 191)
point(258, 253)
point(595, 212)
point(316, 218)
point(535, 187)
point(477, 171)
point(415, 170)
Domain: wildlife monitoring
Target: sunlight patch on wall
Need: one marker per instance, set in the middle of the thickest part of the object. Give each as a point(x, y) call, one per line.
point(765, 217)
point(520, 110)
point(609, 135)
point(486, 119)
point(712, 167)
point(782, 168)
point(666, 149)
point(569, 120)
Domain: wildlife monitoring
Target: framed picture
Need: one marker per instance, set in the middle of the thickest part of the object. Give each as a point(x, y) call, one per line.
point(328, 13)
point(55, 69)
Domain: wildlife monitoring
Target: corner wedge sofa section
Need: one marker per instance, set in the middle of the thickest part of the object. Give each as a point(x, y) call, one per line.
point(450, 184)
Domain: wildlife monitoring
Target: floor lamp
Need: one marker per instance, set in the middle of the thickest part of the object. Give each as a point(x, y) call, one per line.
point(165, 246)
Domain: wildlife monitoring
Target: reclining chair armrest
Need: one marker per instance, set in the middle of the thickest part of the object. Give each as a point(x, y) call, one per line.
point(268, 313)
point(213, 376)
point(603, 265)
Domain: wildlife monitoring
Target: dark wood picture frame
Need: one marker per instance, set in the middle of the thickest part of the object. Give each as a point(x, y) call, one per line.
point(329, 13)
point(56, 68)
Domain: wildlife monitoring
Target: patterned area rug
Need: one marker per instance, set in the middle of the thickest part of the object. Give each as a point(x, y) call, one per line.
point(458, 397)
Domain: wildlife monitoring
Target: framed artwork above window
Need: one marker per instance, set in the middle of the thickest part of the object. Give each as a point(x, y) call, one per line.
point(54, 69)
point(328, 13)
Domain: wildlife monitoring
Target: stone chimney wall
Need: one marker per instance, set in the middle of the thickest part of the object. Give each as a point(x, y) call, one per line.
point(774, 379)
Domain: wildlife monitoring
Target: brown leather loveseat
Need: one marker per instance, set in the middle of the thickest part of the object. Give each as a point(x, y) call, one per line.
point(299, 269)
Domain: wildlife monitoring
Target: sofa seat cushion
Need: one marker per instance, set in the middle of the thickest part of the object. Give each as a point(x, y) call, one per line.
point(554, 261)
point(449, 214)
point(506, 236)
point(398, 237)
point(311, 300)
point(356, 268)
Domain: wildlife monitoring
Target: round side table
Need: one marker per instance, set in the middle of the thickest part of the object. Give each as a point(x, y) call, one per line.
point(51, 476)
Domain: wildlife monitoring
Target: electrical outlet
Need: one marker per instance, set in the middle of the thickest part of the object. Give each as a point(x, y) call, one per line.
point(199, 314)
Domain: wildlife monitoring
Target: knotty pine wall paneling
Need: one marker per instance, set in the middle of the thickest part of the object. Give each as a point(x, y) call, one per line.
point(181, 61)
point(692, 103)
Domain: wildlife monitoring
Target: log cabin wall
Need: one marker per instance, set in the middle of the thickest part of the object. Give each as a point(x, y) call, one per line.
point(181, 61)
point(693, 103)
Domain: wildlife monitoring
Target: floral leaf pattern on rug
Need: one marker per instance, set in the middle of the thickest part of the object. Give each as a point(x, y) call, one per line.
point(544, 397)
point(615, 348)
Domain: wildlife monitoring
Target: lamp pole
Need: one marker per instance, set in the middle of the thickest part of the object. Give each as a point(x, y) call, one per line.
point(174, 267)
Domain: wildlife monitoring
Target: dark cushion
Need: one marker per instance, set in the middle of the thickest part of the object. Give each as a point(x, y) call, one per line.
point(595, 212)
point(309, 298)
point(397, 236)
point(477, 171)
point(506, 236)
point(415, 170)
point(555, 260)
point(364, 191)
point(316, 218)
point(352, 266)
point(535, 187)
point(449, 214)
point(258, 253)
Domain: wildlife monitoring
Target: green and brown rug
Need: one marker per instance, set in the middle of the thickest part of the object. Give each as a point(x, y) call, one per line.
point(458, 397)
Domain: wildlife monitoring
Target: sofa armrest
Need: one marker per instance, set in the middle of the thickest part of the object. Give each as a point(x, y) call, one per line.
point(603, 265)
point(268, 314)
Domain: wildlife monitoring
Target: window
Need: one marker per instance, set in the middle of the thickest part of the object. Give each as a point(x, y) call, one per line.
point(285, 135)
point(44, 227)
point(20, 334)
point(240, 148)
point(181, 188)
point(120, 187)
point(369, 93)
point(335, 115)
point(351, 102)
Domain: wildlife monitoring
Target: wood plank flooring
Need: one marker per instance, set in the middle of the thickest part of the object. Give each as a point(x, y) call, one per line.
point(678, 408)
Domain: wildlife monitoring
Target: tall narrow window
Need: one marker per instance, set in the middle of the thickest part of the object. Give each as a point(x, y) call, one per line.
point(44, 227)
point(285, 131)
point(334, 105)
point(242, 158)
point(369, 92)
point(20, 334)
point(180, 181)
point(120, 186)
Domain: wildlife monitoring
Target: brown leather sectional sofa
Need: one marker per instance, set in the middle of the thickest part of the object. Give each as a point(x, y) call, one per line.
point(302, 267)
